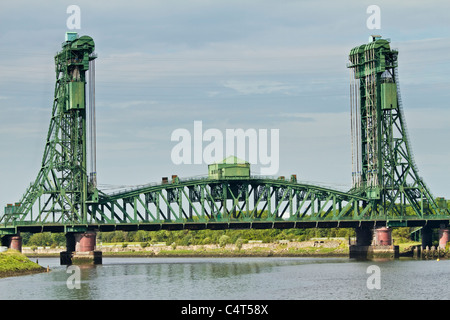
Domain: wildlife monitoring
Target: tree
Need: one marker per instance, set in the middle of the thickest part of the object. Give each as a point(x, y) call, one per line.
point(58, 239)
point(141, 236)
point(401, 234)
point(40, 239)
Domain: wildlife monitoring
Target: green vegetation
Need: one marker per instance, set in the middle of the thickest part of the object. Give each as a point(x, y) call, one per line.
point(401, 235)
point(219, 237)
point(192, 237)
point(44, 239)
point(14, 263)
point(313, 248)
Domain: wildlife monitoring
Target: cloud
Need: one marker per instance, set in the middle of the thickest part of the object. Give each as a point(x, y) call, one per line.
point(298, 117)
point(258, 87)
point(129, 104)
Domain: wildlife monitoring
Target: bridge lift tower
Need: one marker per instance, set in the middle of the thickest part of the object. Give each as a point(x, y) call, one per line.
point(384, 170)
point(62, 188)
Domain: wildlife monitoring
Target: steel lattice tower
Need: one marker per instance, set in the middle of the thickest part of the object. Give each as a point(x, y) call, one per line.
point(61, 190)
point(383, 166)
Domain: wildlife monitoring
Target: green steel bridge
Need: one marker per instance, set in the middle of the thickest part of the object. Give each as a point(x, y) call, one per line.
point(386, 191)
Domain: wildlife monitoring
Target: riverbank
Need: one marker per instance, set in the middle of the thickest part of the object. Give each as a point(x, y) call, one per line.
point(313, 248)
point(14, 263)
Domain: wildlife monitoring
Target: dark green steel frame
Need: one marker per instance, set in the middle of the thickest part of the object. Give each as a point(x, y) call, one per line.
point(222, 204)
point(389, 175)
point(61, 186)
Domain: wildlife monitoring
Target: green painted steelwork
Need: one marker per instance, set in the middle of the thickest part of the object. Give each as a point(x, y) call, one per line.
point(388, 95)
point(386, 169)
point(229, 200)
point(61, 187)
point(229, 168)
point(387, 190)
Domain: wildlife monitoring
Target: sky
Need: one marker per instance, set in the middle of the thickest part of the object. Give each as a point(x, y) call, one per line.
point(250, 64)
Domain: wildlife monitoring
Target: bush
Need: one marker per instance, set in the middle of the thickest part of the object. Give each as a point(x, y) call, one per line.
point(223, 240)
point(239, 242)
point(401, 235)
point(207, 240)
point(186, 240)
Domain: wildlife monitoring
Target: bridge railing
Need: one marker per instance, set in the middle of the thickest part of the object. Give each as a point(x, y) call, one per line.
point(206, 177)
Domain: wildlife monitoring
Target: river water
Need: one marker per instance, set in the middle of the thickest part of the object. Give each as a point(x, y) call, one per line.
point(234, 279)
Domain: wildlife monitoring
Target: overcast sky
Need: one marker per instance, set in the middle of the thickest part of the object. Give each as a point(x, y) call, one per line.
point(231, 64)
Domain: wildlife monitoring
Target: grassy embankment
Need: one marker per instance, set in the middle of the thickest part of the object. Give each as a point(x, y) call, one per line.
point(14, 263)
point(293, 249)
point(330, 248)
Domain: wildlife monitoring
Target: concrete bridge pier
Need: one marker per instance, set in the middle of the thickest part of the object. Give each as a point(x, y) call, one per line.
point(372, 243)
point(363, 241)
point(12, 242)
point(364, 236)
point(383, 236)
point(444, 237)
point(427, 237)
point(81, 249)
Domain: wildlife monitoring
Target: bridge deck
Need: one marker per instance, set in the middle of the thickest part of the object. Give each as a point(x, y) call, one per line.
point(432, 222)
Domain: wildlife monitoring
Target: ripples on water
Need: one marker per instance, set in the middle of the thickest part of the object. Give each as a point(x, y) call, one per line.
point(234, 279)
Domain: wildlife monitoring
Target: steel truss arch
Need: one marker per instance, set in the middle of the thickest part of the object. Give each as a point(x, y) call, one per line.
point(230, 201)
